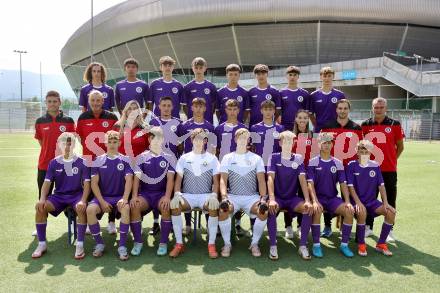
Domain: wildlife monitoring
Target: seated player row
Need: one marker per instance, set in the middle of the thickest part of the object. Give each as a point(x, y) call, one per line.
point(198, 180)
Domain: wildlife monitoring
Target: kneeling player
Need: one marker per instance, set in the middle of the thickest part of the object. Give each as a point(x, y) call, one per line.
point(197, 177)
point(364, 178)
point(72, 187)
point(152, 188)
point(112, 180)
point(286, 174)
point(323, 174)
point(243, 187)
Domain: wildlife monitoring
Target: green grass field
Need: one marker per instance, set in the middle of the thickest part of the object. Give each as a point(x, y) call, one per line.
point(415, 266)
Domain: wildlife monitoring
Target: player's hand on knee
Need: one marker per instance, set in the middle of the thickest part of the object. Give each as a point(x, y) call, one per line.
point(81, 207)
point(176, 201)
point(349, 208)
point(361, 210)
point(40, 206)
point(224, 205)
point(262, 207)
point(106, 207)
point(165, 203)
point(273, 206)
point(135, 202)
point(308, 208)
point(317, 207)
point(213, 203)
point(388, 208)
point(121, 203)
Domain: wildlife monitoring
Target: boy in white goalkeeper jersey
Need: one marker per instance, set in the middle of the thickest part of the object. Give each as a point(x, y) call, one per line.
point(196, 186)
point(242, 187)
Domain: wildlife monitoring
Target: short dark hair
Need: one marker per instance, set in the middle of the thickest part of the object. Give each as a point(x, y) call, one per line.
point(198, 101)
point(326, 70)
point(166, 60)
point(293, 69)
point(53, 93)
point(267, 104)
point(199, 61)
point(261, 68)
point(233, 67)
point(166, 98)
point(131, 61)
point(341, 101)
point(232, 103)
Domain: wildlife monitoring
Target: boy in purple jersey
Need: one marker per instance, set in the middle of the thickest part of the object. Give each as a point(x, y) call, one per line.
point(169, 126)
point(95, 76)
point(225, 132)
point(72, 187)
point(198, 108)
point(265, 134)
point(285, 175)
point(152, 188)
point(112, 180)
point(261, 92)
point(199, 87)
point(232, 90)
point(166, 86)
point(293, 98)
point(323, 174)
point(131, 88)
point(196, 186)
point(364, 178)
point(322, 102)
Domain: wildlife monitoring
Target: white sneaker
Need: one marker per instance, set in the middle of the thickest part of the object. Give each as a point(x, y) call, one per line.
point(368, 231)
point(40, 250)
point(88, 231)
point(34, 233)
point(111, 228)
point(289, 232)
point(391, 237)
point(273, 253)
point(79, 252)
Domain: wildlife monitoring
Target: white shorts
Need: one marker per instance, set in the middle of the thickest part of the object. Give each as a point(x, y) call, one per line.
point(244, 203)
point(196, 200)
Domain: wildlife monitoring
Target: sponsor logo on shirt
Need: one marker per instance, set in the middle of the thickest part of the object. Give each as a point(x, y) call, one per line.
point(105, 124)
point(334, 100)
point(46, 128)
point(372, 173)
point(388, 129)
point(194, 91)
point(300, 99)
point(138, 89)
point(103, 167)
point(284, 98)
point(357, 174)
point(162, 164)
point(120, 166)
point(62, 128)
point(279, 165)
point(254, 96)
point(318, 168)
point(318, 101)
point(159, 89)
point(207, 91)
point(59, 170)
point(268, 96)
point(333, 169)
point(240, 99)
point(123, 89)
point(75, 170)
point(174, 90)
point(89, 124)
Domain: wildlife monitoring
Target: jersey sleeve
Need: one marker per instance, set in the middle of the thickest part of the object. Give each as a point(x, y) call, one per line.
point(82, 98)
point(38, 135)
point(127, 168)
point(184, 95)
point(310, 173)
point(150, 93)
point(276, 98)
point(349, 176)
point(85, 173)
point(379, 177)
point(260, 165)
point(94, 171)
point(118, 98)
point(179, 166)
point(111, 96)
point(340, 172)
point(311, 106)
point(224, 164)
point(398, 133)
point(247, 99)
point(215, 166)
point(50, 173)
point(302, 169)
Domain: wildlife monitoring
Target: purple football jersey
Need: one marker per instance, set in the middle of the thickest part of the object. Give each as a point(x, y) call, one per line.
point(112, 172)
point(257, 96)
point(160, 88)
point(291, 102)
point(68, 175)
point(239, 94)
point(286, 174)
point(268, 141)
point(323, 105)
point(225, 133)
point(126, 91)
point(365, 179)
point(152, 170)
point(107, 93)
point(206, 90)
point(170, 131)
point(325, 174)
point(184, 132)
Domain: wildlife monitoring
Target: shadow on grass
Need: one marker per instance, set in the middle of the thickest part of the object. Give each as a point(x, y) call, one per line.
point(60, 255)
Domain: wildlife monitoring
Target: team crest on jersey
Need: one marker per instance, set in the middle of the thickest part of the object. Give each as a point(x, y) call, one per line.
point(300, 99)
point(75, 170)
point(268, 96)
point(138, 89)
point(276, 134)
point(294, 165)
point(162, 164)
point(349, 134)
point(372, 173)
point(308, 142)
point(248, 162)
point(120, 166)
point(207, 91)
point(334, 100)
point(139, 133)
point(205, 164)
point(240, 99)
point(388, 129)
point(104, 95)
point(173, 128)
point(105, 124)
point(174, 90)
point(333, 169)
point(62, 128)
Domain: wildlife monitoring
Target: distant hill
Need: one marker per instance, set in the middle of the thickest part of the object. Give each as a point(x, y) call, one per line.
point(10, 85)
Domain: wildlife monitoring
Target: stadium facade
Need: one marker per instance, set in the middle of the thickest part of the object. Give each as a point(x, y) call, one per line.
point(351, 36)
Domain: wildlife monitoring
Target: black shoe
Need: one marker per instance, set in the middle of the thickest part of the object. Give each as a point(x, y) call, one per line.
point(155, 230)
point(239, 231)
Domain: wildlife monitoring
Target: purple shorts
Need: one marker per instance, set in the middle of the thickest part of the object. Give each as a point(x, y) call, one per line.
point(330, 205)
point(371, 206)
point(289, 204)
point(61, 202)
point(112, 200)
point(152, 199)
